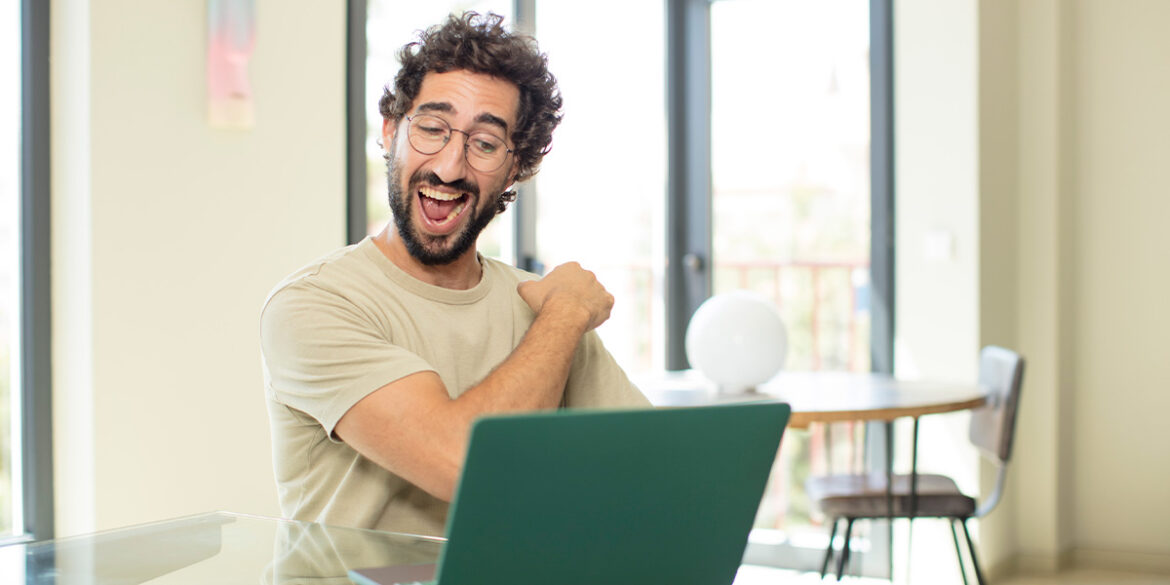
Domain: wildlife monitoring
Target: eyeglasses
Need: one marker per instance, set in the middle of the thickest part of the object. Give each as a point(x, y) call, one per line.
point(485, 152)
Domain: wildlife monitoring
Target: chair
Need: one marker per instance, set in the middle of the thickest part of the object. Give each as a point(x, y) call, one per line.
point(882, 495)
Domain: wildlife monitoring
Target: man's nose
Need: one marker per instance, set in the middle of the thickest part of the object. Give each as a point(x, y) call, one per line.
point(451, 161)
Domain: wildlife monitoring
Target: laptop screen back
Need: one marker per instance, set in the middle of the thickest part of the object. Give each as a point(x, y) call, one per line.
point(647, 496)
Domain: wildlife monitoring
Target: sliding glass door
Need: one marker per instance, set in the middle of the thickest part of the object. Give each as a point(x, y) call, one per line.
point(790, 214)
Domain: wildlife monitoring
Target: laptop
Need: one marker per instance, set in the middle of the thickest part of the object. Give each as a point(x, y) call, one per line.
point(618, 496)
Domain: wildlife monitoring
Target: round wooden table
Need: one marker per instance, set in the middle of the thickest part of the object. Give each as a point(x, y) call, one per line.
point(821, 397)
point(826, 397)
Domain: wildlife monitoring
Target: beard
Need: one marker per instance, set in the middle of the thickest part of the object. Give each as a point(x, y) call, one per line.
point(427, 249)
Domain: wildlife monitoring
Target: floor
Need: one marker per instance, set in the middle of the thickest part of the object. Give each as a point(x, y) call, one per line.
point(755, 575)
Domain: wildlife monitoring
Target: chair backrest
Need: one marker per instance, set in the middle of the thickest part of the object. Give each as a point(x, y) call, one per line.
point(1001, 372)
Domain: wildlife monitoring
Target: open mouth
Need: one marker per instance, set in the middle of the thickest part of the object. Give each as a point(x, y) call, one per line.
point(441, 209)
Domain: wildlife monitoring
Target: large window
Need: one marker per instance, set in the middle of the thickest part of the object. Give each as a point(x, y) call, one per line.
point(708, 146)
point(790, 211)
point(600, 196)
point(25, 440)
point(9, 265)
point(790, 172)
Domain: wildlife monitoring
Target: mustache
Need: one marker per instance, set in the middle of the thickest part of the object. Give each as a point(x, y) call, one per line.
point(421, 177)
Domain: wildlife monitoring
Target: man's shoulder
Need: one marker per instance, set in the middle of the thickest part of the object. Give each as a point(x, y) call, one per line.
point(506, 272)
point(329, 274)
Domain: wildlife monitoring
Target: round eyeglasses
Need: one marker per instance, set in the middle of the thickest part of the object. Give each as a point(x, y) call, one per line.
point(485, 152)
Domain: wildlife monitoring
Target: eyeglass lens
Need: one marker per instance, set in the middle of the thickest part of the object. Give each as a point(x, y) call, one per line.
point(485, 152)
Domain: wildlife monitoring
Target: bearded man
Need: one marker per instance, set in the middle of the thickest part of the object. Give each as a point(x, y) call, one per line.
point(379, 357)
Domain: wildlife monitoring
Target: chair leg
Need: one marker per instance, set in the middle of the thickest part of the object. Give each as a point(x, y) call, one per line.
point(844, 558)
point(909, 545)
point(974, 559)
point(829, 549)
point(958, 549)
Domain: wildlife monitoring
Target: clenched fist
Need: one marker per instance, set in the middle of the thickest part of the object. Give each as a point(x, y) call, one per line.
point(571, 289)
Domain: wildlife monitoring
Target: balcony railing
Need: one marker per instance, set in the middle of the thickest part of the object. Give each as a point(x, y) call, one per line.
point(824, 304)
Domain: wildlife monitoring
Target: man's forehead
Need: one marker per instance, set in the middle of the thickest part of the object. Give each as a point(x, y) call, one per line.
point(488, 99)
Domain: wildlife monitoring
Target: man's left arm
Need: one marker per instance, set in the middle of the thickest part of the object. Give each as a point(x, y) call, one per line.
point(597, 381)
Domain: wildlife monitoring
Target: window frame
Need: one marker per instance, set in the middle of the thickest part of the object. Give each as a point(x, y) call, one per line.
point(36, 436)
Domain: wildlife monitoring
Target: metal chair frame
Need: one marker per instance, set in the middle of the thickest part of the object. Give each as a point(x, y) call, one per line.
point(997, 447)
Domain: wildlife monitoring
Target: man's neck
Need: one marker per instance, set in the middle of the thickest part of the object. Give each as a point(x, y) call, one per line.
point(462, 274)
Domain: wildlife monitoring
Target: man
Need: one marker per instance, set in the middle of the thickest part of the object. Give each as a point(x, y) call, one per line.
point(379, 357)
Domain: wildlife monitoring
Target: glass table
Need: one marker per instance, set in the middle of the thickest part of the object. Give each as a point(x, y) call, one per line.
point(219, 547)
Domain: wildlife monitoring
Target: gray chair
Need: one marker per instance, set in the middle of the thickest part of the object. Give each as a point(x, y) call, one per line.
point(869, 496)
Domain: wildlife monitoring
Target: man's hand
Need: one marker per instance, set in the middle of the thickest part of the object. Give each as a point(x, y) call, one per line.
point(572, 289)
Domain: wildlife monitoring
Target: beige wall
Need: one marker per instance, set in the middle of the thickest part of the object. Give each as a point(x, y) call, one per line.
point(1119, 246)
point(167, 235)
point(1072, 194)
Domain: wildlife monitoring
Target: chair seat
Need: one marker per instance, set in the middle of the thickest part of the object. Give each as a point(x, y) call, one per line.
point(864, 496)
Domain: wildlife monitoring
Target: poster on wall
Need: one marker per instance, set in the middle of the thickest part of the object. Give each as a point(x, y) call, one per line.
point(231, 32)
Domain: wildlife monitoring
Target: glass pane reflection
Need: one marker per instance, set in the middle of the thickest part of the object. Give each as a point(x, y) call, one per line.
point(213, 548)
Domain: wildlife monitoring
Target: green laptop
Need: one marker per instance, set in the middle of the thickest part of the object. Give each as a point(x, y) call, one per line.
point(605, 496)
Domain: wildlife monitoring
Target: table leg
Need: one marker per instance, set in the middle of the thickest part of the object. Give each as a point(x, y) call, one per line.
point(890, 497)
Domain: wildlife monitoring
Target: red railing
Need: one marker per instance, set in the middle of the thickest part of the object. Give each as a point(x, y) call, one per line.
point(812, 306)
point(816, 272)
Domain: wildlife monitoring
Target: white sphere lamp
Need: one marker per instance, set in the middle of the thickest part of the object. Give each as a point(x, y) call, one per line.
point(737, 340)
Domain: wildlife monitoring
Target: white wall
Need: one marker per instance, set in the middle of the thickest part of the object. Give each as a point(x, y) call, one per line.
point(1073, 142)
point(1093, 201)
point(1119, 244)
point(937, 181)
point(1040, 528)
point(167, 235)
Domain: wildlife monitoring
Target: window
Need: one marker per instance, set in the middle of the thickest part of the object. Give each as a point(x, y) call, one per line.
point(790, 211)
point(25, 439)
point(9, 265)
point(600, 195)
point(759, 159)
point(790, 173)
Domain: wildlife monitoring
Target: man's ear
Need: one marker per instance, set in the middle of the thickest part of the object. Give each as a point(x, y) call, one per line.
point(389, 128)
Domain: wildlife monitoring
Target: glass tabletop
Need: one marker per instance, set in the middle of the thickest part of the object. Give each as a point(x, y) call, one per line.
point(218, 547)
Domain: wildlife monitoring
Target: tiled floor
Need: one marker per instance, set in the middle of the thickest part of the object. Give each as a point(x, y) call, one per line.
point(754, 575)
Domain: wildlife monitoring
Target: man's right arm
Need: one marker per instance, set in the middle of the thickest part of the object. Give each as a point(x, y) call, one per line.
point(414, 429)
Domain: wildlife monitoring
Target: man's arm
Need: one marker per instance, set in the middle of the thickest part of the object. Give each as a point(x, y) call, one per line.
point(414, 429)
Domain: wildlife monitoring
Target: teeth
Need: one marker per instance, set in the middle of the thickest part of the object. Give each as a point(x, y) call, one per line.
point(455, 212)
point(440, 195)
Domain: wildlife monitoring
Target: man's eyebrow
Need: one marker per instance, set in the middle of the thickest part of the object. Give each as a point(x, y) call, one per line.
point(446, 107)
point(436, 107)
point(486, 118)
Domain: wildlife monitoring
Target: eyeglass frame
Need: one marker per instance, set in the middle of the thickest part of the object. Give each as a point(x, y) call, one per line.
point(466, 142)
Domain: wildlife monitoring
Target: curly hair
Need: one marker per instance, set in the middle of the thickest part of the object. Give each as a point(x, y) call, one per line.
point(480, 44)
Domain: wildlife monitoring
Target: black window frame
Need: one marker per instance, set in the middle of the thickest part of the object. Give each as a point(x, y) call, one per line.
point(35, 315)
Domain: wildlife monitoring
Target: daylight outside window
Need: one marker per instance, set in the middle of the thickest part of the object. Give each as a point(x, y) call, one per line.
point(10, 39)
point(601, 192)
point(790, 147)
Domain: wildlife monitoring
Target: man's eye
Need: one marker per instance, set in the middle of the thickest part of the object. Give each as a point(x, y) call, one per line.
point(432, 131)
point(485, 146)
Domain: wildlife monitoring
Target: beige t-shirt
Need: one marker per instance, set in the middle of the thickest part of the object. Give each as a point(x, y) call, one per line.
point(352, 322)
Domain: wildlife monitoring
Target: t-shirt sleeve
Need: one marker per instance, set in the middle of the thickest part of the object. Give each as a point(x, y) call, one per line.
point(322, 354)
point(597, 381)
